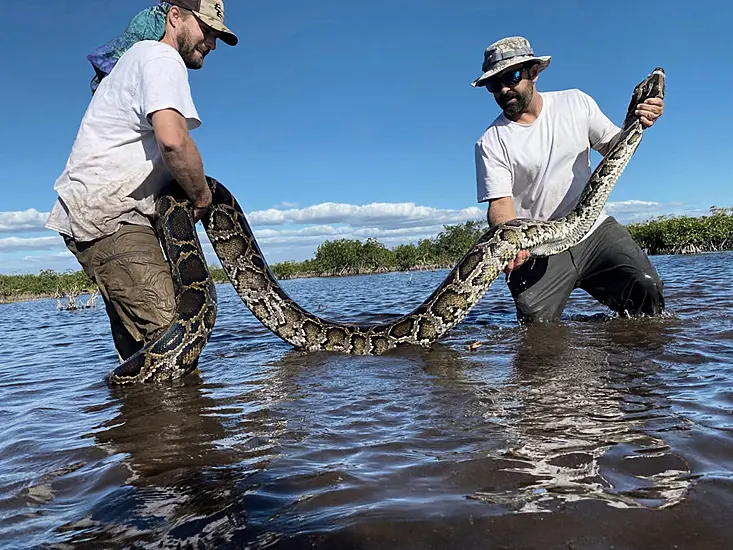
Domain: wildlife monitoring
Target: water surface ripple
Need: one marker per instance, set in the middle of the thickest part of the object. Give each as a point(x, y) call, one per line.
point(594, 431)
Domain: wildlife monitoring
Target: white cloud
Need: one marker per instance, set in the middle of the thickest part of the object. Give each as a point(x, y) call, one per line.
point(295, 233)
point(311, 231)
point(22, 221)
point(391, 223)
point(65, 255)
point(31, 243)
point(383, 215)
point(632, 206)
point(15, 263)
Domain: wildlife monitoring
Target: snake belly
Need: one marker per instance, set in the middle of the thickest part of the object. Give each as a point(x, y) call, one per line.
point(176, 352)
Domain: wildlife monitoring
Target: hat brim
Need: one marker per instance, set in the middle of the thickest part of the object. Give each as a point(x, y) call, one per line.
point(226, 36)
point(503, 65)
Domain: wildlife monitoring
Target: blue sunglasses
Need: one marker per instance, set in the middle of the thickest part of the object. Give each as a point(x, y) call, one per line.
point(505, 80)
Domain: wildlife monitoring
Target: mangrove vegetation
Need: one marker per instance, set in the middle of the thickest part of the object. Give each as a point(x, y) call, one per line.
point(685, 234)
point(661, 235)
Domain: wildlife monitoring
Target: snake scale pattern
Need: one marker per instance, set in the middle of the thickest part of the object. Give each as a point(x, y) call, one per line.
point(175, 353)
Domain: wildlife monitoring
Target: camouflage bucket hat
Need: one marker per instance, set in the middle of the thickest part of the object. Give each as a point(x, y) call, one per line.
point(506, 53)
point(210, 12)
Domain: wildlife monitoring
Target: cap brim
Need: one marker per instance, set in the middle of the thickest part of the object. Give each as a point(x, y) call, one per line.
point(226, 36)
point(544, 61)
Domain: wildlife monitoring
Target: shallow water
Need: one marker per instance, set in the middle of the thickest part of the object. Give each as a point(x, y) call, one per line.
point(593, 432)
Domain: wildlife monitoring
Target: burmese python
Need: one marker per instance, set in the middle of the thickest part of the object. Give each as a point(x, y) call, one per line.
point(176, 352)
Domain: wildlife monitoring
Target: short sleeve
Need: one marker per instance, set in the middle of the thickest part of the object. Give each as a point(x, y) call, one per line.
point(164, 85)
point(493, 176)
point(600, 129)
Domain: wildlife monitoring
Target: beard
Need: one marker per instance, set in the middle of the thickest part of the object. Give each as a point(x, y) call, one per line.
point(192, 56)
point(523, 99)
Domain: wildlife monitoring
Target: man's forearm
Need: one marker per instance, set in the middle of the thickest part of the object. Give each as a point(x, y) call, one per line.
point(500, 211)
point(496, 218)
point(185, 165)
point(606, 148)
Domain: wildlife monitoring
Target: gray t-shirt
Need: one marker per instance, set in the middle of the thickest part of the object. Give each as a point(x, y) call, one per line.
point(115, 170)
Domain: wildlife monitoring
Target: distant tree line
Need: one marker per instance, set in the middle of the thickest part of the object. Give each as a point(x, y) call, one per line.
point(685, 234)
point(661, 235)
point(47, 283)
point(354, 257)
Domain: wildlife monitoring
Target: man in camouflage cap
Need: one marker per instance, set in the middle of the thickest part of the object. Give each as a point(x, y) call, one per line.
point(533, 161)
point(133, 142)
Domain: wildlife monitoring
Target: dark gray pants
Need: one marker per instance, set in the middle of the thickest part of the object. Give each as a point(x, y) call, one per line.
point(608, 265)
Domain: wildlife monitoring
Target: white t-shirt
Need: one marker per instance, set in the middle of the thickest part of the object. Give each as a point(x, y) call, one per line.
point(546, 164)
point(115, 170)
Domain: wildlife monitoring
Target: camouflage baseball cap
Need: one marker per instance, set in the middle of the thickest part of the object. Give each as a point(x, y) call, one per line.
point(210, 12)
point(505, 53)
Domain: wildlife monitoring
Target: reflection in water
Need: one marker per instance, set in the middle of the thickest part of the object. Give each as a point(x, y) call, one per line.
point(580, 419)
point(190, 459)
point(269, 446)
point(321, 440)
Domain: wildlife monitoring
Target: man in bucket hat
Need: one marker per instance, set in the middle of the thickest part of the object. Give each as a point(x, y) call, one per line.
point(133, 142)
point(533, 161)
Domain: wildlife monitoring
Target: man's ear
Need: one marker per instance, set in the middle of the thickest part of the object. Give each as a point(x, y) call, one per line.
point(534, 72)
point(174, 16)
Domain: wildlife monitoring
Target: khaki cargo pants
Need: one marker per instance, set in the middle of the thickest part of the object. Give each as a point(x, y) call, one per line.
point(135, 281)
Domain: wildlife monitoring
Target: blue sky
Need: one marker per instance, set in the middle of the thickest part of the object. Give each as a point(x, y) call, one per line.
point(341, 119)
